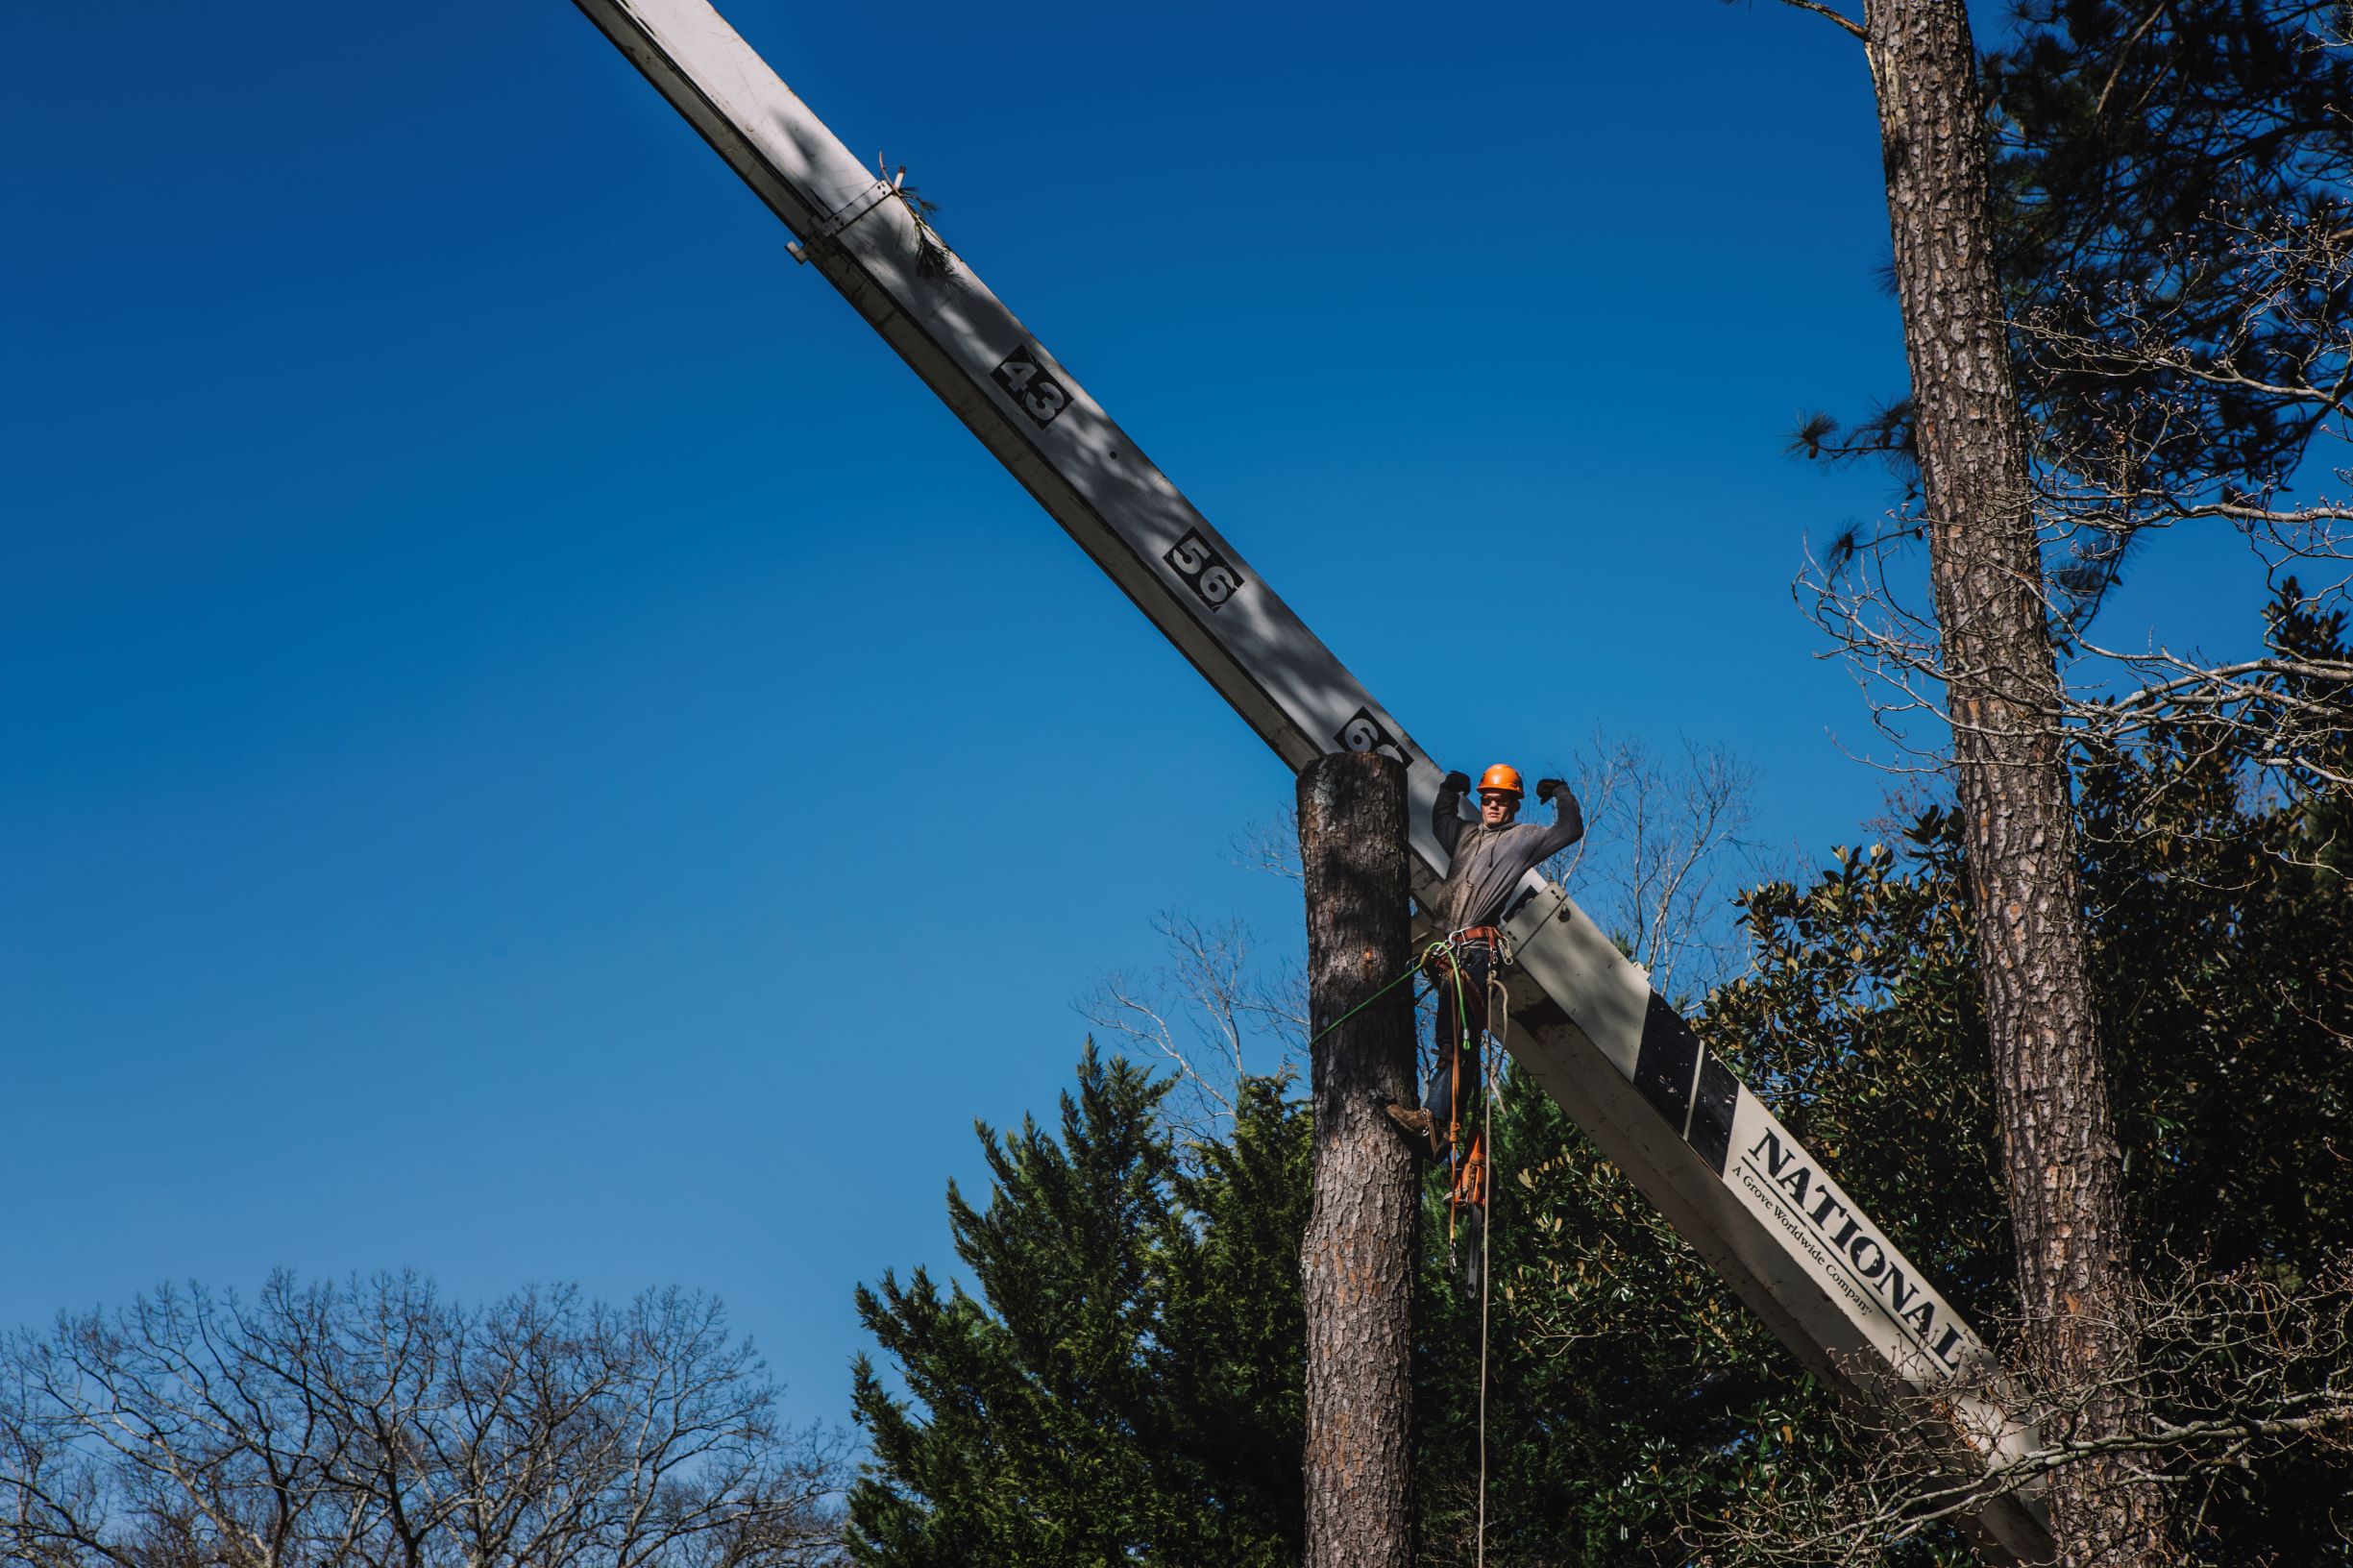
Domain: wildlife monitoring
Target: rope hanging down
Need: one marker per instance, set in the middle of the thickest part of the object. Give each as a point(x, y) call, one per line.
point(1473, 1179)
point(1499, 1007)
point(1475, 1176)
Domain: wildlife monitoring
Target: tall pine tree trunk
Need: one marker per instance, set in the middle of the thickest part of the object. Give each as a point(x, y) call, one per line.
point(1357, 1259)
point(2059, 1151)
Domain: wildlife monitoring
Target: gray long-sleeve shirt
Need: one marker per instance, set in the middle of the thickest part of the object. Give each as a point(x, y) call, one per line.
point(1485, 863)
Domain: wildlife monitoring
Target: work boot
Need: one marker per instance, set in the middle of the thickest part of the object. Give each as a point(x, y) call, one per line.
point(1417, 1121)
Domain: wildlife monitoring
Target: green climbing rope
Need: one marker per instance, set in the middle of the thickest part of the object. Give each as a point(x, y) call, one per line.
point(1410, 972)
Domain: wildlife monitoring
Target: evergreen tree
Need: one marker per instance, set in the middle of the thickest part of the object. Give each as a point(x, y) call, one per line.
point(2140, 145)
point(1125, 1387)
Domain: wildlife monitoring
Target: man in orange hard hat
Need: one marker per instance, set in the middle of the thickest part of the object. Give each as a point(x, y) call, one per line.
point(1486, 859)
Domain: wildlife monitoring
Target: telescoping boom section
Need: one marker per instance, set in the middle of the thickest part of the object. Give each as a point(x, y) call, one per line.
point(1585, 1023)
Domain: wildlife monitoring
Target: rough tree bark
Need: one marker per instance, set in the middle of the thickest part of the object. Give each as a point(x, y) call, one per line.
point(2063, 1174)
point(1357, 1261)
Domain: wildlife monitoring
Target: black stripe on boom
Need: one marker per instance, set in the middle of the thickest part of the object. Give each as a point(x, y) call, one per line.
point(1711, 1117)
point(1666, 1064)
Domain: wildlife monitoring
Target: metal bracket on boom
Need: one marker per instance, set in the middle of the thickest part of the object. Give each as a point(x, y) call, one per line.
point(858, 206)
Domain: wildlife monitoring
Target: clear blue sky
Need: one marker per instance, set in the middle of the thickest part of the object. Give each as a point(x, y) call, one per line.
point(535, 750)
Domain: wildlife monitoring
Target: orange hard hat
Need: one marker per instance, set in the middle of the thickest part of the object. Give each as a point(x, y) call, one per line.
point(1503, 779)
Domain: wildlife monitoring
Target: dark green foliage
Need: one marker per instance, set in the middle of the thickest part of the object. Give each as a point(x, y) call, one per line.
point(2171, 201)
point(2139, 144)
point(1125, 1387)
point(1860, 1023)
point(2225, 932)
point(1624, 1385)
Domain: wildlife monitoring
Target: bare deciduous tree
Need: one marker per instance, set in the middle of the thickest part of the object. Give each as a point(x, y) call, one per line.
point(373, 1423)
point(1270, 845)
point(1206, 1012)
point(1663, 837)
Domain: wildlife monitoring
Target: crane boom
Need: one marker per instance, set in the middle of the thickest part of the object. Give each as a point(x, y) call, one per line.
point(1586, 1024)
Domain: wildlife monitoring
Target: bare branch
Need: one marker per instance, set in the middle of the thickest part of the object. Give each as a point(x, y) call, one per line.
point(2154, 385)
point(2235, 1367)
point(1662, 836)
point(1270, 845)
point(1206, 1012)
point(1853, 28)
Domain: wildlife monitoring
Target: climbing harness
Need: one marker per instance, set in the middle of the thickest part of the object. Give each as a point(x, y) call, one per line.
point(1471, 1178)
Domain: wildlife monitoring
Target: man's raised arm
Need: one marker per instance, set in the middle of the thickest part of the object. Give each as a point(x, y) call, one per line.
point(1568, 818)
point(1446, 812)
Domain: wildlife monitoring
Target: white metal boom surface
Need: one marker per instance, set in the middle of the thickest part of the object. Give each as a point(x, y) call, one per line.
point(1585, 1022)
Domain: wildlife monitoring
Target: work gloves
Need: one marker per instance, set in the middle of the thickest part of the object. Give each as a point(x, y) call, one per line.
point(1547, 788)
point(1456, 783)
